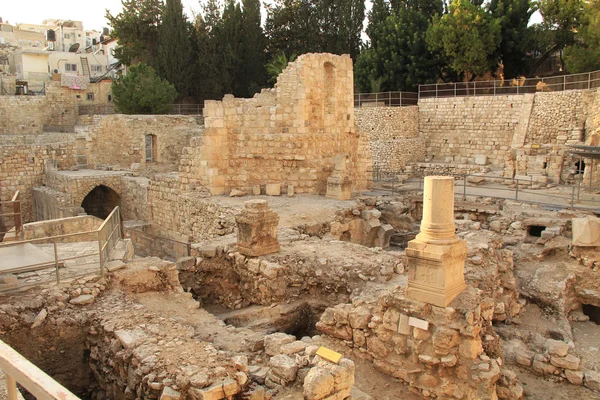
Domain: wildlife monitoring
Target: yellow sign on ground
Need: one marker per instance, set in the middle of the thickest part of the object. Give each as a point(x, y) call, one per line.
point(329, 354)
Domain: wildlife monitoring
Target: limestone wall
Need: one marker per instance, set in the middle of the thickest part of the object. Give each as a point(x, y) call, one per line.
point(26, 115)
point(286, 135)
point(458, 129)
point(190, 213)
point(393, 136)
point(119, 140)
point(162, 200)
point(22, 164)
point(134, 197)
point(554, 115)
point(64, 226)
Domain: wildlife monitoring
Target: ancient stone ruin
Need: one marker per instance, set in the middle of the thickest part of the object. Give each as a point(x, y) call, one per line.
point(298, 245)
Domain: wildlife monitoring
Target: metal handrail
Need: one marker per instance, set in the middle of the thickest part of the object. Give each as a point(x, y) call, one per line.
point(572, 200)
point(18, 369)
point(108, 109)
point(54, 240)
point(584, 81)
point(389, 99)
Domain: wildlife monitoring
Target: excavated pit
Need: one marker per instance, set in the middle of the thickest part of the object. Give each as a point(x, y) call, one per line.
point(61, 352)
point(297, 318)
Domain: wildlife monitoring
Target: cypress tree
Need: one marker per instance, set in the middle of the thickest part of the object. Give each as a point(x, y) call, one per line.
point(253, 45)
point(174, 50)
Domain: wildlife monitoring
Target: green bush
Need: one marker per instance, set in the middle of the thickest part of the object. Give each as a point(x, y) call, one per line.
point(141, 91)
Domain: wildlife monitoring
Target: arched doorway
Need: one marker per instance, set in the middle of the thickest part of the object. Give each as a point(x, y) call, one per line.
point(101, 201)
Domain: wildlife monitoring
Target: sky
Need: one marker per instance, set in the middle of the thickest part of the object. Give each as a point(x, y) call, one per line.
point(92, 14)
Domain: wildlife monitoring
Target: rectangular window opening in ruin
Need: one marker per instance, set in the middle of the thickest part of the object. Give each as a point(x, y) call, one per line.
point(150, 148)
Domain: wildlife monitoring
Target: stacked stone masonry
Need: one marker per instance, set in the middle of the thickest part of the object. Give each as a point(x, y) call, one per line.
point(288, 135)
point(459, 129)
point(27, 115)
point(393, 136)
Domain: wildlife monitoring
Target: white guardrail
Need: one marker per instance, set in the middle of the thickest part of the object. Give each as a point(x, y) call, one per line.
point(18, 369)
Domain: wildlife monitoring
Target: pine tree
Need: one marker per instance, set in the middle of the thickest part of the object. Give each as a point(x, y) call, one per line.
point(400, 59)
point(141, 91)
point(174, 50)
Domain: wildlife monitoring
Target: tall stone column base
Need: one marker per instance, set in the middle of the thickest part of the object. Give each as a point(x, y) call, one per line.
point(436, 271)
point(339, 188)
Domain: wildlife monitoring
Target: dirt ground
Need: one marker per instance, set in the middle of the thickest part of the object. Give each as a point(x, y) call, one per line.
point(537, 388)
point(294, 211)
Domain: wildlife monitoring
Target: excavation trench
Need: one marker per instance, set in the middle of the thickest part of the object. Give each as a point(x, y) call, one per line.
point(61, 352)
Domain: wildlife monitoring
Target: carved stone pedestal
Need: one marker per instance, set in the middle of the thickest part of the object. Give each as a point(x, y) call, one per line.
point(257, 229)
point(339, 185)
point(436, 257)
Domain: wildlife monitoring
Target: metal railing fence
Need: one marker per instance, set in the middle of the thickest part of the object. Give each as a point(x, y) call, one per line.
point(20, 370)
point(107, 235)
point(14, 206)
point(161, 246)
point(521, 190)
point(588, 80)
point(385, 99)
point(108, 109)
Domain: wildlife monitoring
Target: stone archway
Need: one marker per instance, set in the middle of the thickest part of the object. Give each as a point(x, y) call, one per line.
point(100, 201)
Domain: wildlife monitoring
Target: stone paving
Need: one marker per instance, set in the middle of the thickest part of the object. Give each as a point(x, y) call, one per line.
point(87, 262)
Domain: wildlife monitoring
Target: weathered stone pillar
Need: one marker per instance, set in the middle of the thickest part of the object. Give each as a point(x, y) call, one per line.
point(339, 185)
point(436, 257)
point(257, 229)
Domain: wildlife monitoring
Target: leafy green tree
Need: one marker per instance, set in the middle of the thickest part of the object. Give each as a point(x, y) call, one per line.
point(584, 55)
point(142, 91)
point(467, 38)
point(516, 40)
point(277, 65)
point(562, 19)
point(400, 60)
point(253, 46)
point(136, 30)
point(174, 48)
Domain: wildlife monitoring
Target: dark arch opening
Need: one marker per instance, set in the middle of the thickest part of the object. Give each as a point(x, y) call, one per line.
point(593, 312)
point(535, 230)
point(580, 167)
point(101, 201)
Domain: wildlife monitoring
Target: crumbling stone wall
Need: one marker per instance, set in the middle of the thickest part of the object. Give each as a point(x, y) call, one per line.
point(287, 135)
point(26, 115)
point(440, 354)
point(23, 161)
point(119, 140)
point(393, 136)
